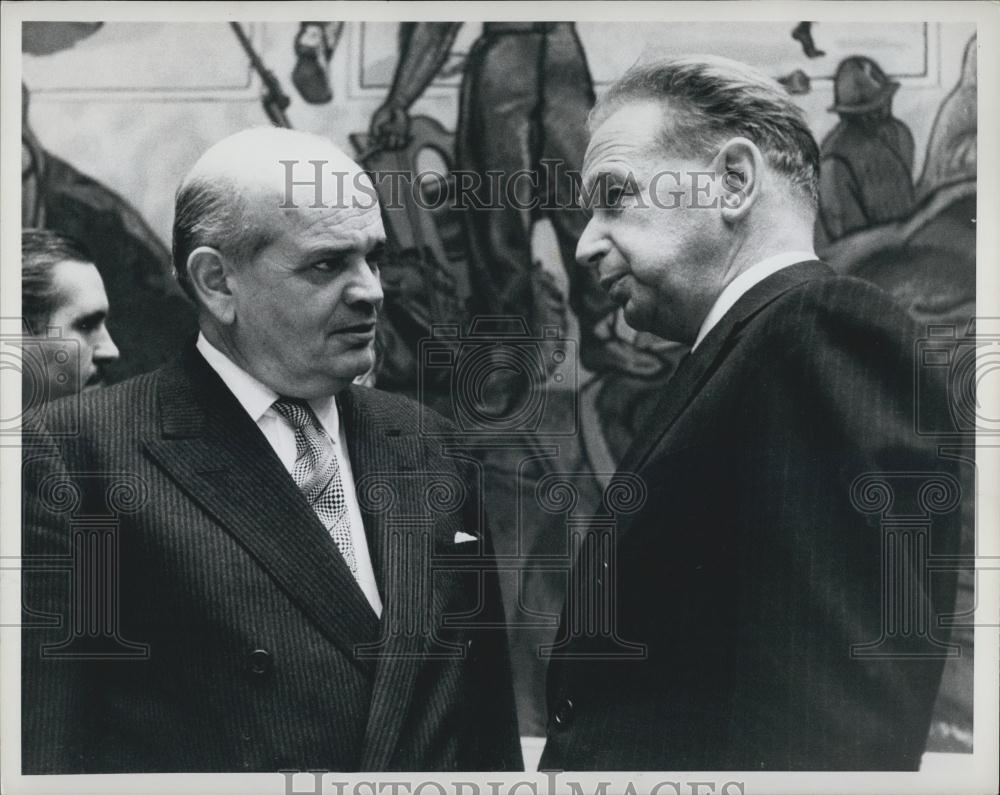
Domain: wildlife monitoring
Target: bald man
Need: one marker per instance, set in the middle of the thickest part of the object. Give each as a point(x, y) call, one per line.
point(273, 589)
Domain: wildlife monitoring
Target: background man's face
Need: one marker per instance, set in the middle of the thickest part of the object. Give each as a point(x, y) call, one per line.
point(657, 252)
point(75, 360)
point(306, 305)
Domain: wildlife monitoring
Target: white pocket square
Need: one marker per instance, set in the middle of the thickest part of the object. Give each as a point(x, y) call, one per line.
point(463, 538)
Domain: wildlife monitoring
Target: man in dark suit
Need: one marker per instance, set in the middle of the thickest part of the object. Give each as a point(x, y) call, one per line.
point(768, 606)
point(268, 567)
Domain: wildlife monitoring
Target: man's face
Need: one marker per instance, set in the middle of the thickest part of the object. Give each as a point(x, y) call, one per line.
point(305, 306)
point(75, 358)
point(658, 252)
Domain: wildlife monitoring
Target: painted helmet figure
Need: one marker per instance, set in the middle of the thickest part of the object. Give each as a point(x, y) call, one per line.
point(860, 86)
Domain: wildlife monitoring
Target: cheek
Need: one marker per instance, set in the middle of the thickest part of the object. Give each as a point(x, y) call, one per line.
point(648, 245)
point(87, 348)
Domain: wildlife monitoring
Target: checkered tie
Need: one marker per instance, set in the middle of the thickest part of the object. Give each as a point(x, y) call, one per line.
point(317, 474)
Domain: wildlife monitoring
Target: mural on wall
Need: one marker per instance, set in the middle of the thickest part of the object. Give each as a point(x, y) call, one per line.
point(525, 94)
point(866, 161)
point(521, 92)
point(315, 44)
point(920, 246)
point(151, 317)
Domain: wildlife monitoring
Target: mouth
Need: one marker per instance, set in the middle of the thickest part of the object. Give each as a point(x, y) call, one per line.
point(607, 282)
point(364, 330)
point(613, 285)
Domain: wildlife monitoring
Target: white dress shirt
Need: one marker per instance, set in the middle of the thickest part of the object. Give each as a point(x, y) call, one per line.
point(741, 285)
point(256, 399)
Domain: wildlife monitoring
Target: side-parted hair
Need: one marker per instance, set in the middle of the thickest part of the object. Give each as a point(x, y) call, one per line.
point(41, 251)
point(213, 213)
point(716, 99)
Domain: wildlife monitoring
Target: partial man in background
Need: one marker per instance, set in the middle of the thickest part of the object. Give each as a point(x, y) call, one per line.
point(272, 604)
point(152, 318)
point(65, 309)
point(749, 589)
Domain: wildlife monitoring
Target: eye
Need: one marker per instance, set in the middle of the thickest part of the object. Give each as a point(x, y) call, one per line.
point(86, 325)
point(618, 196)
point(326, 265)
point(375, 257)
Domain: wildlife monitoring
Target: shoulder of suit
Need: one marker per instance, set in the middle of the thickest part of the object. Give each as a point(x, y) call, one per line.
point(841, 305)
point(400, 408)
point(112, 406)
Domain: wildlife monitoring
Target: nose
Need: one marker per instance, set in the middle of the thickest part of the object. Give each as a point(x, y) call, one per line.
point(105, 350)
point(365, 286)
point(593, 246)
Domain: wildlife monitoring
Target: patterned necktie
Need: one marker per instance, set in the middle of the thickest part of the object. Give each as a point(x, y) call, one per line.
point(317, 474)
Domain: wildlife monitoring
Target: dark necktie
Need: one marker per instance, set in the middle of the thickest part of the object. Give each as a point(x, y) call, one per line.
point(317, 474)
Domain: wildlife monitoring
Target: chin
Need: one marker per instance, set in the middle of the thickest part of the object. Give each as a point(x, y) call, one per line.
point(636, 319)
point(361, 363)
point(365, 364)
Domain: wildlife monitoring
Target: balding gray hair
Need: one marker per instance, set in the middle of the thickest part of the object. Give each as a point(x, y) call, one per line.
point(715, 99)
point(214, 212)
point(219, 201)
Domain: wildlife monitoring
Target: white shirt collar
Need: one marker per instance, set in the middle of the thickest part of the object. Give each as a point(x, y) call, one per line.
point(256, 397)
point(741, 285)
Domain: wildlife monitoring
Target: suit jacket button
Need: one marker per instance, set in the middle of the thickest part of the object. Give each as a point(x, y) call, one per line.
point(261, 662)
point(563, 714)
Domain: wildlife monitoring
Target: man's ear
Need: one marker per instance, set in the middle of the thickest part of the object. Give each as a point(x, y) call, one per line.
point(209, 273)
point(740, 165)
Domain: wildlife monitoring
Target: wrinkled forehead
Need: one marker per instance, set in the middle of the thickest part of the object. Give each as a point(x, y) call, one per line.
point(318, 195)
point(351, 221)
point(628, 135)
point(355, 224)
point(295, 169)
point(313, 180)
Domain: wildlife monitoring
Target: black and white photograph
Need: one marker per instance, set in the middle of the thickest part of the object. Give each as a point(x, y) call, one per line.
point(481, 398)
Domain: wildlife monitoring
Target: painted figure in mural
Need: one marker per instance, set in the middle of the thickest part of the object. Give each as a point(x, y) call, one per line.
point(64, 307)
point(867, 159)
point(803, 34)
point(151, 318)
point(747, 628)
point(951, 151)
point(315, 44)
point(927, 262)
point(265, 590)
point(525, 95)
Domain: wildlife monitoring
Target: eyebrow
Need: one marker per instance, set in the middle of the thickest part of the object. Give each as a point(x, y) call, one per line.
point(599, 180)
point(330, 251)
point(91, 317)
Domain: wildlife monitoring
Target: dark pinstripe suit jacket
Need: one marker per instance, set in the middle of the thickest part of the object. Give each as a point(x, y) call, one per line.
point(750, 572)
point(236, 638)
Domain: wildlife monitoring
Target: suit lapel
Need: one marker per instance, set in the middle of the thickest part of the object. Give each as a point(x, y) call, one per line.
point(214, 452)
point(388, 459)
point(699, 365)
